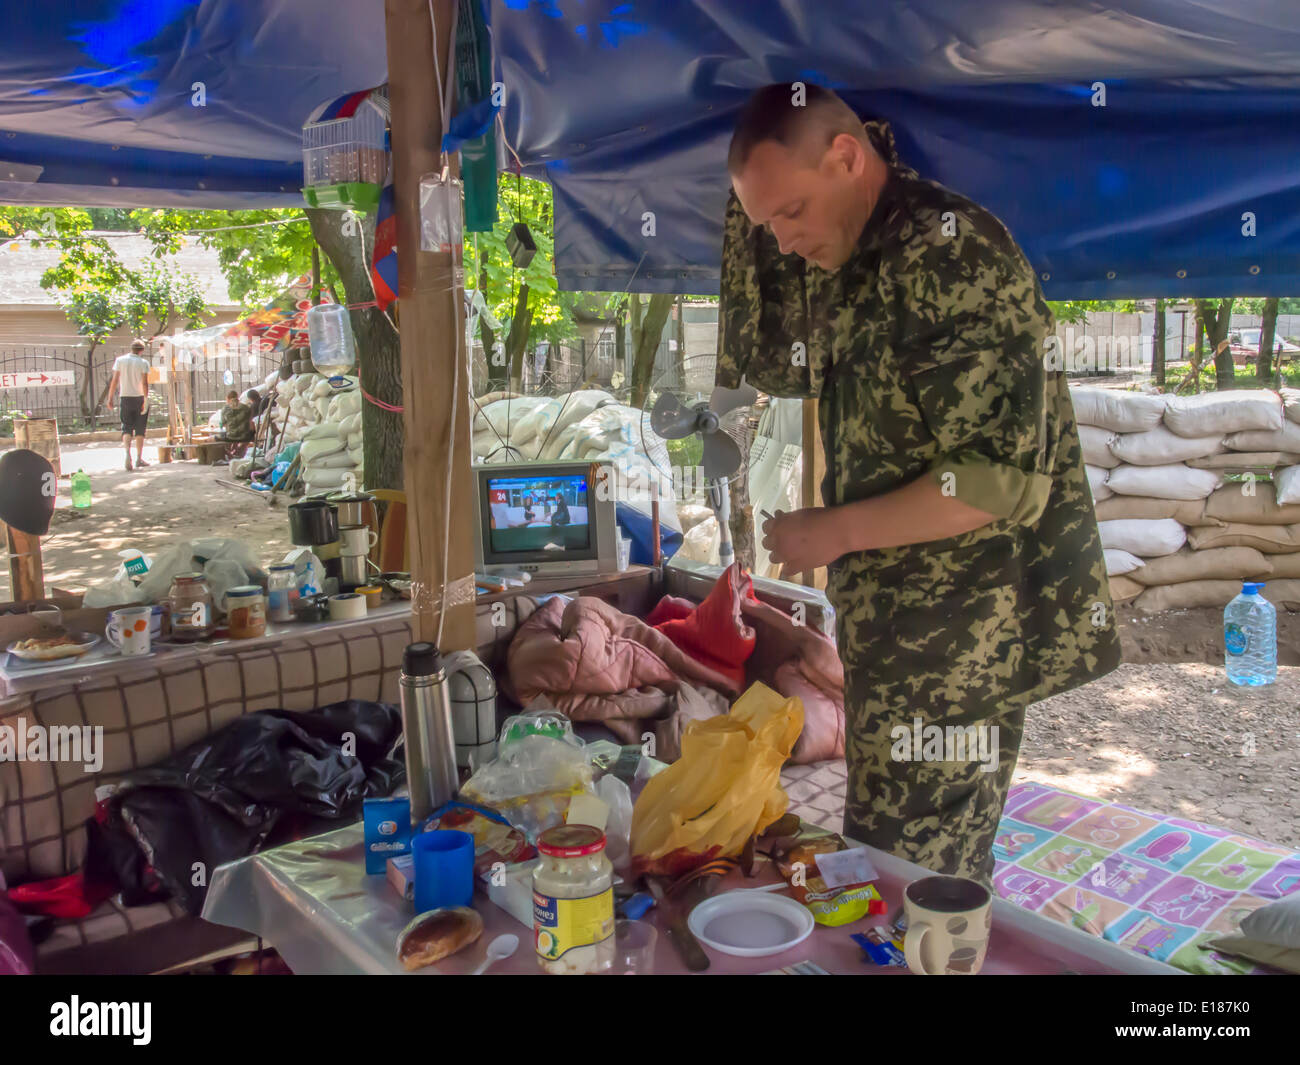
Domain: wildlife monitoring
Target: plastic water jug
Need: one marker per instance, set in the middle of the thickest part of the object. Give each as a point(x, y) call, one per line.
point(333, 349)
point(1250, 637)
point(80, 490)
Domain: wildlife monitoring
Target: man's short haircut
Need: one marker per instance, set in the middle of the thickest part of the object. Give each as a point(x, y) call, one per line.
point(772, 115)
point(137, 346)
point(233, 395)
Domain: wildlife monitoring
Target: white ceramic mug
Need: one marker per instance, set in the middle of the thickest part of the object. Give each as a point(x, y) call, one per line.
point(948, 922)
point(128, 629)
point(357, 539)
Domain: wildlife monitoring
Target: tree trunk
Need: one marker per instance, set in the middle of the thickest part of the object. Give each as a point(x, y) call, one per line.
point(620, 346)
point(378, 349)
point(680, 360)
point(1158, 355)
point(87, 396)
point(498, 374)
point(647, 330)
point(517, 338)
point(1216, 331)
point(1267, 332)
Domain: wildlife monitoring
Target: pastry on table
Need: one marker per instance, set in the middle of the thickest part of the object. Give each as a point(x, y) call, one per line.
point(437, 934)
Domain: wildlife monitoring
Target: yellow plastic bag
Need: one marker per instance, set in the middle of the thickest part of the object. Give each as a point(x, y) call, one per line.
point(724, 788)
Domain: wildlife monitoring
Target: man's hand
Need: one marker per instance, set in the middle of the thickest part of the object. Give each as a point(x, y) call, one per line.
point(803, 540)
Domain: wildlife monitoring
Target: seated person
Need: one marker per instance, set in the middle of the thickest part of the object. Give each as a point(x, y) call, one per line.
point(561, 515)
point(236, 426)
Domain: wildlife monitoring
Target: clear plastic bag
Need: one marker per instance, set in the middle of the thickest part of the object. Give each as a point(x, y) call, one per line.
point(532, 780)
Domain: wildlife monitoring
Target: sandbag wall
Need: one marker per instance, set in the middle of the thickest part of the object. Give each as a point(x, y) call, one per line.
point(1180, 523)
point(327, 421)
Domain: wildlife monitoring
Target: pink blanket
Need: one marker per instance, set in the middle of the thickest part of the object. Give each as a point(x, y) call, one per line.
point(595, 663)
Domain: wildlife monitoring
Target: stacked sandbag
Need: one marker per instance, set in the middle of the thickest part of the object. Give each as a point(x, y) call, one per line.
point(326, 419)
point(1176, 531)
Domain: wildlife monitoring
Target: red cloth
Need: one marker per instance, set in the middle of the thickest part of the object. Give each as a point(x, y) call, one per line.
point(714, 633)
point(64, 896)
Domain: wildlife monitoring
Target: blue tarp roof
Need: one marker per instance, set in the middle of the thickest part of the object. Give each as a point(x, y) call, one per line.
point(626, 105)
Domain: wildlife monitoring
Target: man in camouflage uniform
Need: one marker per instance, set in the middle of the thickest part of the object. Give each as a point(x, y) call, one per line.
point(964, 561)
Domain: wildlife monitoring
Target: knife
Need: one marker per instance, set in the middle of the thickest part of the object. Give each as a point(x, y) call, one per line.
point(679, 934)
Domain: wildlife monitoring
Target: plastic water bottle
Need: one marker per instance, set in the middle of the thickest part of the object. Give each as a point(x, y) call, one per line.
point(80, 490)
point(1250, 637)
point(333, 349)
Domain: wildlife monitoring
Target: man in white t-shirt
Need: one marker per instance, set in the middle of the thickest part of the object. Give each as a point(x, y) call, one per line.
point(131, 376)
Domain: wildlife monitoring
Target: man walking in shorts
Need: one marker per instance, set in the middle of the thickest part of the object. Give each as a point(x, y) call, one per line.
point(131, 377)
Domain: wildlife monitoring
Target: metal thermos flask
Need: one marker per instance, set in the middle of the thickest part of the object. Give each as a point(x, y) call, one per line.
point(431, 773)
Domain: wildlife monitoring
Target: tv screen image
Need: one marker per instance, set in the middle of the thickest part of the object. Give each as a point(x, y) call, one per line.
point(542, 513)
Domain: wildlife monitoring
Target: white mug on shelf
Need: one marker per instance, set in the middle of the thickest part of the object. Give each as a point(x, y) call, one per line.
point(128, 630)
point(357, 539)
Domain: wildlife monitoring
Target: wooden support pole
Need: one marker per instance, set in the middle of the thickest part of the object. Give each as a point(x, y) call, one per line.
point(26, 570)
point(431, 307)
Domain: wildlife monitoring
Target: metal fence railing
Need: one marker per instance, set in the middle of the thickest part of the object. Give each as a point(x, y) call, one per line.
point(50, 381)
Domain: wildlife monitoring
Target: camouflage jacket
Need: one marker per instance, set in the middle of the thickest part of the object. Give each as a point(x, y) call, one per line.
point(236, 422)
point(926, 353)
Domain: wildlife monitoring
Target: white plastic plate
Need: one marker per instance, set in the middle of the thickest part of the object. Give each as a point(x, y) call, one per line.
point(751, 924)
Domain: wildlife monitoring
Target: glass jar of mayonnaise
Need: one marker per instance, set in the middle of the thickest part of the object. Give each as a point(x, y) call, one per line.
point(573, 901)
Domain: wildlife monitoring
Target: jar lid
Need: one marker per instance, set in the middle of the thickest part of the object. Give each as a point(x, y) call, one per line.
point(571, 841)
point(243, 591)
point(279, 567)
point(188, 578)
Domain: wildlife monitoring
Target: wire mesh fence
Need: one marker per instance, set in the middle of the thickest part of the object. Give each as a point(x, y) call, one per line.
point(70, 384)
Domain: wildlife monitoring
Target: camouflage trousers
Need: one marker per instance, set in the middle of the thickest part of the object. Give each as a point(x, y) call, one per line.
point(925, 790)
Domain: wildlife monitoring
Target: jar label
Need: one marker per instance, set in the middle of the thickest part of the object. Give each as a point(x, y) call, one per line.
point(561, 925)
point(1235, 638)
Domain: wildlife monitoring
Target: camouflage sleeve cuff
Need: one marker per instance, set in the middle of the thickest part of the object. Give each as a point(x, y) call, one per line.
point(1006, 492)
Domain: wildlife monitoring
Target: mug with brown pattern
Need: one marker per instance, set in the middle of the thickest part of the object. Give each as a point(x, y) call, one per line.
point(948, 922)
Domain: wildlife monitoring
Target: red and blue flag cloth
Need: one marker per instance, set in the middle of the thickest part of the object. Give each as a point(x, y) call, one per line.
point(383, 262)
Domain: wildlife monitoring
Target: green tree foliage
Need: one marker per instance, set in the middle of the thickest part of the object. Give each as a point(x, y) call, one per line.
point(488, 265)
point(99, 292)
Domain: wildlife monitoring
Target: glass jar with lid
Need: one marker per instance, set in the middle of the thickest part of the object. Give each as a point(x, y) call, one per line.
point(573, 901)
point(191, 607)
point(246, 612)
point(281, 591)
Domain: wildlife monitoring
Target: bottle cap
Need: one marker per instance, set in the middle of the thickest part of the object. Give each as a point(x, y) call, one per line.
point(421, 660)
point(1251, 587)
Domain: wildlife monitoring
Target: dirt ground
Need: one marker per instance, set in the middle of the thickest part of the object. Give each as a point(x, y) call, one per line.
point(1166, 731)
point(149, 509)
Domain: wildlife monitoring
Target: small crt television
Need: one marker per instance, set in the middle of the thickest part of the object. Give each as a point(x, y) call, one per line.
point(547, 518)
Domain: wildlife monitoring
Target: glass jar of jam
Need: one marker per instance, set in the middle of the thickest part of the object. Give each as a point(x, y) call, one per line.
point(191, 607)
point(246, 612)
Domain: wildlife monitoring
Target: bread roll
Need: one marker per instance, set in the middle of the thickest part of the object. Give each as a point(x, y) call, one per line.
point(434, 935)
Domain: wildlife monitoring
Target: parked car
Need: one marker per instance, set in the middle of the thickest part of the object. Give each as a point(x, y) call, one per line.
point(1244, 345)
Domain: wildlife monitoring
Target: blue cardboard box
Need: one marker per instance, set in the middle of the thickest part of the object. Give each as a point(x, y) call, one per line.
point(388, 831)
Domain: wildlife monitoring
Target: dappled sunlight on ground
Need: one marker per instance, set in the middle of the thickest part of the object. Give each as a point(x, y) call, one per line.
point(1176, 739)
point(148, 509)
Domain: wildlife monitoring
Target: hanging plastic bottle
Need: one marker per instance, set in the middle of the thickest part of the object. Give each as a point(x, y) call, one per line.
point(81, 490)
point(333, 349)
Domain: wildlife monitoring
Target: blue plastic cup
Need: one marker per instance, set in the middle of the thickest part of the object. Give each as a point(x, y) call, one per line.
point(444, 869)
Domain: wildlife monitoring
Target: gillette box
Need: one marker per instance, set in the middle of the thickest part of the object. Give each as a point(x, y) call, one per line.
point(388, 831)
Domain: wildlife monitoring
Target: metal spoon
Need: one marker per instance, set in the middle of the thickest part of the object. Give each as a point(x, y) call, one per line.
point(498, 950)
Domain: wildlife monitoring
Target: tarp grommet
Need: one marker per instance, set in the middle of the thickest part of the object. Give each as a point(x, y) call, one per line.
point(1254, 269)
point(1110, 275)
point(1181, 273)
point(1045, 277)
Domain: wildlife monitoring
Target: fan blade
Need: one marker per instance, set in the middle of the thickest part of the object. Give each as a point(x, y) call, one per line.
point(722, 457)
point(670, 419)
point(726, 399)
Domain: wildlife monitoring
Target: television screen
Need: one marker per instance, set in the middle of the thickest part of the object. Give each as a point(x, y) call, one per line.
point(541, 513)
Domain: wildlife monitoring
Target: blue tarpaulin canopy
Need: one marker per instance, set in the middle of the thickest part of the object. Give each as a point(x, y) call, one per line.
point(625, 106)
